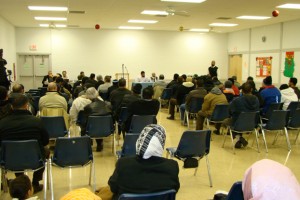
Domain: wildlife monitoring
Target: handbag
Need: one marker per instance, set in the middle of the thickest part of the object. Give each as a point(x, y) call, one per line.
point(190, 163)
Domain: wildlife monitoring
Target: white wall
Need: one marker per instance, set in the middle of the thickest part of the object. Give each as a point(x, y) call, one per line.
point(104, 51)
point(8, 42)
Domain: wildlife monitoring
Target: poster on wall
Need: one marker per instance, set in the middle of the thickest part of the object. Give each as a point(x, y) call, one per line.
point(263, 66)
point(289, 65)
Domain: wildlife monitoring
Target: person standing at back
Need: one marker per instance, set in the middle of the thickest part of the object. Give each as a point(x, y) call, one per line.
point(3, 75)
point(212, 70)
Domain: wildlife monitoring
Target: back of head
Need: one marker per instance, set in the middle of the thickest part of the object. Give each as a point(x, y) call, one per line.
point(137, 88)
point(228, 84)
point(184, 77)
point(200, 82)
point(252, 84)
point(189, 79)
point(122, 82)
point(234, 78)
point(107, 79)
point(293, 81)
point(115, 82)
point(284, 86)
point(19, 187)
point(161, 77)
point(52, 87)
point(175, 77)
point(250, 78)
point(148, 92)
point(91, 93)
point(247, 88)
point(99, 78)
point(268, 80)
point(84, 79)
point(80, 194)
point(180, 80)
point(18, 88)
point(19, 101)
point(151, 141)
point(231, 79)
point(92, 76)
point(3, 93)
point(59, 80)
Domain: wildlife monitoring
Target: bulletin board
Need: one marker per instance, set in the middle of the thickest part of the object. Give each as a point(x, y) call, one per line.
point(263, 66)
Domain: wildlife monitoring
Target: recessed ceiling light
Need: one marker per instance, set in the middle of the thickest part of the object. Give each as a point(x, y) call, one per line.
point(253, 17)
point(290, 6)
point(47, 8)
point(142, 21)
point(199, 30)
point(154, 12)
point(44, 25)
point(185, 1)
point(51, 18)
point(131, 27)
point(53, 25)
point(223, 24)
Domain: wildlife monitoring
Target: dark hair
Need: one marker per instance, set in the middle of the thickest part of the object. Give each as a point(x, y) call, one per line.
point(3, 93)
point(231, 79)
point(142, 72)
point(246, 88)
point(183, 76)
point(252, 85)
point(107, 78)
point(175, 77)
point(92, 76)
point(59, 80)
point(161, 77)
point(19, 101)
point(179, 80)
point(115, 82)
point(122, 82)
point(19, 187)
point(293, 80)
point(284, 86)
point(250, 78)
point(148, 92)
point(228, 84)
point(17, 88)
point(200, 82)
point(84, 79)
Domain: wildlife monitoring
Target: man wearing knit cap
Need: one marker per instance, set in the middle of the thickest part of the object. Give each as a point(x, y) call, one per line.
point(270, 94)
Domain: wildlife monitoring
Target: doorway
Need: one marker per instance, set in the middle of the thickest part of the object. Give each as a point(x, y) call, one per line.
point(235, 66)
point(32, 69)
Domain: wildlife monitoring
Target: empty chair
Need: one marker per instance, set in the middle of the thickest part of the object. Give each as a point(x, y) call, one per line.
point(164, 195)
point(138, 122)
point(293, 106)
point(55, 126)
point(129, 148)
point(70, 153)
point(236, 192)
point(122, 118)
point(277, 122)
point(99, 127)
point(36, 100)
point(194, 107)
point(247, 122)
point(294, 123)
point(272, 107)
point(193, 144)
point(21, 156)
point(220, 113)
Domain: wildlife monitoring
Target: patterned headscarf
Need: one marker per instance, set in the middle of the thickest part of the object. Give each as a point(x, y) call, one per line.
point(151, 141)
point(80, 194)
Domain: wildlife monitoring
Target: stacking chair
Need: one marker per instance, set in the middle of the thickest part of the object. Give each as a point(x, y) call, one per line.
point(43, 90)
point(138, 122)
point(272, 107)
point(104, 95)
point(294, 122)
point(55, 126)
point(70, 153)
point(164, 195)
point(246, 123)
point(122, 118)
point(80, 119)
point(220, 113)
point(277, 122)
point(293, 106)
point(194, 107)
point(129, 148)
point(36, 100)
point(21, 156)
point(99, 127)
point(165, 96)
point(236, 192)
point(193, 144)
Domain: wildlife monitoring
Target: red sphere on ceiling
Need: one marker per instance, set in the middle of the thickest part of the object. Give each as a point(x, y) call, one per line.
point(275, 13)
point(97, 26)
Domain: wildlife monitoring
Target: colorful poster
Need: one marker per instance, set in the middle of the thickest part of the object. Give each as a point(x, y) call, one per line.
point(289, 65)
point(263, 66)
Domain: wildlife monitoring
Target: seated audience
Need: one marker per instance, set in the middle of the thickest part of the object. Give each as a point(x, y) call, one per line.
point(99, 81)
point(267, 179)
point(5, 106)
point(104, 87)
point(20, 188)
point(234, 87)
point(114, 86)
point(148, 171)
point(174, 81)
point(159, 86)
point(228, 91)
point(292, 83)
point(92, 80)
point(287, 95)
point(236, 83)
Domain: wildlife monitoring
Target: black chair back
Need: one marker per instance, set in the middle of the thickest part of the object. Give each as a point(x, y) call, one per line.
point(246, 121)
point(277, 120)
point(21, 155)
point(81, 120)
point(220, 112)
point(293, 106)
point(99, 126)
point(272, 107)
point(123, 115)
point(74, 151)
point(166, 94)
point(236, 192)
point(295, 120)
point(104, 95)
point(55, 126)
point(195, 105)
point(194, 144)
point(43, 90)
point(129, 146)
point(164, 195)
point(138, 122)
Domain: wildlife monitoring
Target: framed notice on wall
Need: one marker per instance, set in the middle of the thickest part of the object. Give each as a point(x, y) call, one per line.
point(263, 66)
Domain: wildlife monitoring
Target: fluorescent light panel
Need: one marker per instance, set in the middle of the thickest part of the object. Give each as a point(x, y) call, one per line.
point(253, 17)
point(51, 18)
point(185, 1)
point(223, 24)
point(131, 27)
point(154, 12)
point(142, 21)
point(54, 25)
point(47, 8)
point(203, 30)
point(289, 6)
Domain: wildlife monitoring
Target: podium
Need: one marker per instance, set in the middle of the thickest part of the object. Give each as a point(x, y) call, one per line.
point(126, 77)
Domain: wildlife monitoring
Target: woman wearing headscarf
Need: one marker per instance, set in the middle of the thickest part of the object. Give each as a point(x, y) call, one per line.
point(270, 180)
point(148, 171)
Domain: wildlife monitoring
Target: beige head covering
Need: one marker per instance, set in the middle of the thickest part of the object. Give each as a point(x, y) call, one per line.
point(80, 194)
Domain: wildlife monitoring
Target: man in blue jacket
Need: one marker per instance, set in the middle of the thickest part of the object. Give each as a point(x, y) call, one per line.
point(270, 94)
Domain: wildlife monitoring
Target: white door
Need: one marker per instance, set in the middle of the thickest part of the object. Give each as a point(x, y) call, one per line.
point(32, 69)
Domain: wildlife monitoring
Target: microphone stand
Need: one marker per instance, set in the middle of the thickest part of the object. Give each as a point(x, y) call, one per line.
point(123, 70)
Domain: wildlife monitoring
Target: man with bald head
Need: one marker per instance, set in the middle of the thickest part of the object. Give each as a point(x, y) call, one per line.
point(52, 99)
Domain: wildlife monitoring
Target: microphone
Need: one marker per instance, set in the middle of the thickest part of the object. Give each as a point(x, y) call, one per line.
point(126, 69)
